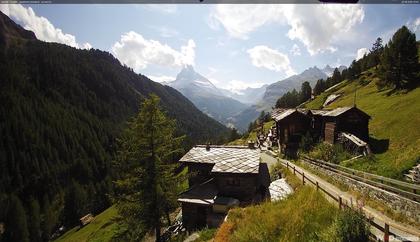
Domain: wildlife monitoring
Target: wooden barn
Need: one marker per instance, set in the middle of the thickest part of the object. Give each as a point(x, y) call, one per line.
point(291, 124)
point(221, 177)
point(331, 126)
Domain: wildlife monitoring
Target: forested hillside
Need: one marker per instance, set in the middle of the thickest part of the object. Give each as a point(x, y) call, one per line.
point(61, 112)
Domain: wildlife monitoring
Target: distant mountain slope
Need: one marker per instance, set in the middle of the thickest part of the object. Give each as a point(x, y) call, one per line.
point(61, 111)
point(394, 127)
point(249, 95)
point(207, 97)
point(276, 90)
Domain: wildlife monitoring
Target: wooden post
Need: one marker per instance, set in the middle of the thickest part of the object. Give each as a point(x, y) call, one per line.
point(303, 178)
point(340, 202)
point(386, 233)
point(287, 165)
point(317, 186)
point(294, 170)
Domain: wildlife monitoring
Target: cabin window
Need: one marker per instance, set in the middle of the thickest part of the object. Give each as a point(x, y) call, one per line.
point(232, 182)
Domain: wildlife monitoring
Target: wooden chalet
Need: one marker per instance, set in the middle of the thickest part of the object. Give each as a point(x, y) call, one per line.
point(291, 125)
point(221, 177)
point(345, 124)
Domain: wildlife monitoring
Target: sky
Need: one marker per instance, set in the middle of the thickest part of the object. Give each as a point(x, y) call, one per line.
point(234, 46)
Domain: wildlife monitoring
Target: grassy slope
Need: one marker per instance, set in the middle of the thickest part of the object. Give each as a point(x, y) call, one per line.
point(101, 229)
point(395, 117)
point(300, 217)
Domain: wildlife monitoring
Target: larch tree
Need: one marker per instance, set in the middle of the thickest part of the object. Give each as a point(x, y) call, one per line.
point(147, 187)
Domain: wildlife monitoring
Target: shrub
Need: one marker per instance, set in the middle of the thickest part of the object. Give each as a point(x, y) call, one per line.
point(349, 226)
point(331, 153)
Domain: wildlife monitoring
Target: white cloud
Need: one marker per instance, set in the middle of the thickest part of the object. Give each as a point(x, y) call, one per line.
point(414, 25)
point(295, 50)
point(162, 78)
point(263, 56)
point(138, 52)
point(240, 20)
point(164, 8)
point(361, 52)
point(42, 27)
point(237, 86)
point(316, 26)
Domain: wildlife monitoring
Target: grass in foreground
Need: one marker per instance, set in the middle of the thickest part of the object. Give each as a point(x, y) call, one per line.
point(395, 136)
point(102, 228)
point(301, 217)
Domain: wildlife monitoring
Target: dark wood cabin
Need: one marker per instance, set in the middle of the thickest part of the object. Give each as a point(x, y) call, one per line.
point(324, 125)
point(291, 125)
point(347, 119)
point(236, 178)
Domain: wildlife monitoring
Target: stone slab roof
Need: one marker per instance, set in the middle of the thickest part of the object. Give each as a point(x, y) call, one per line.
point(204, 193)
point(281, 113)
point(226, 159)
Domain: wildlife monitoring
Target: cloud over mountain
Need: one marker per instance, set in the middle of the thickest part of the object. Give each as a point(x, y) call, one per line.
point(263, 56)
point(137, 52)
point(42, 27)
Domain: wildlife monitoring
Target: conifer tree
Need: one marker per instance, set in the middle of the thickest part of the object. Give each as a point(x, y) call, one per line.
point(399, 62)
point(16, 224)
point(34, 221)
point(147, 188)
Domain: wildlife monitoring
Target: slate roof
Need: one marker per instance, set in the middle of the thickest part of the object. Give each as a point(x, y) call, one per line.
point(204, 193)
point(338, 111)
point(226, 159)
point(281, 113)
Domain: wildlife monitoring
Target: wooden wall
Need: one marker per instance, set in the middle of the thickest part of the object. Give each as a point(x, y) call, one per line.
point(240, 186)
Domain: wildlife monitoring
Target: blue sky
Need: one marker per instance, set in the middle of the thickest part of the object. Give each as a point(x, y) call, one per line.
point(235, 46)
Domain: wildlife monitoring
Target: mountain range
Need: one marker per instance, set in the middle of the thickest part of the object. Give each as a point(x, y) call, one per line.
point(206, 96)
point(275, 90)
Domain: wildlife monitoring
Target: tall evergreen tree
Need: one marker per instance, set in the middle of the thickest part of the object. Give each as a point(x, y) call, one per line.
point(34, 221)
point(319, 87)
point(305, 92)
point(16, 224)
point(399, 62)
point(147, 188)
point(375, 52)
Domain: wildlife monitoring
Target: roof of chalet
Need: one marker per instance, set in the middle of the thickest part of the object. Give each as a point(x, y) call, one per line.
point(204, 193)
point(338, 111)
point(281, 113)
point(226, 159)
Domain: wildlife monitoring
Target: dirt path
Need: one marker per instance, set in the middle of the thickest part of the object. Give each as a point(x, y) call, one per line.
point(410, 234)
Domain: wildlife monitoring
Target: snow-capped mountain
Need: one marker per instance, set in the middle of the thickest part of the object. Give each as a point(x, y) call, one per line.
point(206, 96)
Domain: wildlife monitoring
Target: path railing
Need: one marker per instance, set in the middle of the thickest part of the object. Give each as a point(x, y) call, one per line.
point(385, 229)
point(404, 189)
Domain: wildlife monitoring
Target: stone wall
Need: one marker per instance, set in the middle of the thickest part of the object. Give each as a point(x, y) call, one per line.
point(409, 208)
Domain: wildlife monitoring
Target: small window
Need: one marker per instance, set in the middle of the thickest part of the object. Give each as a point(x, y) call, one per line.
point(232, 182)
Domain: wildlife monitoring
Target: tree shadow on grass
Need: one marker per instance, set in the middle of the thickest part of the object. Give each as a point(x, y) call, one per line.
point(378, 146)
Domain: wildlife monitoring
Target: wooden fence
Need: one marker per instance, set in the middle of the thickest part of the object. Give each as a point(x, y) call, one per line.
point(384, 229)
point(404, 189)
